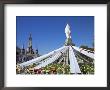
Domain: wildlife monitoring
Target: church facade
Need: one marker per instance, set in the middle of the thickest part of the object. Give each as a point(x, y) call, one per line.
point(26, 54)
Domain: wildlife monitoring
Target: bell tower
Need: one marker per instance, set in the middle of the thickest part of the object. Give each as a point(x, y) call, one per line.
point(30, 44)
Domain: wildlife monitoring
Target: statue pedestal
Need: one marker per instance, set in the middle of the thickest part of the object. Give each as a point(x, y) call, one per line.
point(68, 42)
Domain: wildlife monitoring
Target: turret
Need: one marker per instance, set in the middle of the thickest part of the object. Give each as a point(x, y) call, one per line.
point(23, 50)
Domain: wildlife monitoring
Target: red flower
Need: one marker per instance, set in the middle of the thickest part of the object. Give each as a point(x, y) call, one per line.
point(35, 70)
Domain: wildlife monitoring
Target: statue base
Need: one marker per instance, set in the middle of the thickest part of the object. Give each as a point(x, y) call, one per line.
point(69, 42)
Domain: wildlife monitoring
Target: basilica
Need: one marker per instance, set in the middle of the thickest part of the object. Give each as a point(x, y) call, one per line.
point(26, 54)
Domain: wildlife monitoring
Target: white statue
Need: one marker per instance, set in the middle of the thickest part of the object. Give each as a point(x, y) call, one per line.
point(67, 31)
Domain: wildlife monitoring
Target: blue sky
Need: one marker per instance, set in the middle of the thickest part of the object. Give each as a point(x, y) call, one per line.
point(48, 32)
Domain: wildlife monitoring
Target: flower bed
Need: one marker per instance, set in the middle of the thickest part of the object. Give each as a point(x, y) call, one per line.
point(85, 68)
point(49, 69)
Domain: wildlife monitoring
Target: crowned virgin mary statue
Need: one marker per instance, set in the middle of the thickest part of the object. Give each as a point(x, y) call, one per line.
point(68, 36)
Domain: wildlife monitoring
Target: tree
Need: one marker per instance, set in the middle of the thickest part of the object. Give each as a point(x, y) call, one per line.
point(84, 46)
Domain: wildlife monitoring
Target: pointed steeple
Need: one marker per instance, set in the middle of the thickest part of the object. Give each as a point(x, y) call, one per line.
point(23, 50)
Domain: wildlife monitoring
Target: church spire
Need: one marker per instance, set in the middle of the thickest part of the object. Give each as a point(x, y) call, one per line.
point(30, 41)
point(30, 44)
point(23, 50)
